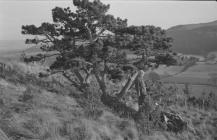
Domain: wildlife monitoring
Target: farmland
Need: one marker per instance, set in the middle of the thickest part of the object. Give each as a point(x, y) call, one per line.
point(198, 77)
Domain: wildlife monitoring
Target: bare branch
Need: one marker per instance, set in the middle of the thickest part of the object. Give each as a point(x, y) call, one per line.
point(74, 83)
point(127, 86)
point(49, 37)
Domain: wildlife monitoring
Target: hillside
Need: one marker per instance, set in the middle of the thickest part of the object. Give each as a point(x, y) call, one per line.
point(33, 108)
point(39, 109)
point(194, 38)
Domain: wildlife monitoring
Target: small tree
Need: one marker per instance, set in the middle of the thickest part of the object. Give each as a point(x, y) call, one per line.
point(88, 42)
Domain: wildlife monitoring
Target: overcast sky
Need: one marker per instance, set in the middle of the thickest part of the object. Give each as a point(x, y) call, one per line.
point(14, 14)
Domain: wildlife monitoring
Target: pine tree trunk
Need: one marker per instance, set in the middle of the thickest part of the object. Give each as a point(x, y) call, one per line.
point(78, 75)
point(3, 136)
point(127, 86)
point(114, 102)
point(143, 114)
point(141, 87)
point(84, 80)
point(102, 83)
point(88, 79)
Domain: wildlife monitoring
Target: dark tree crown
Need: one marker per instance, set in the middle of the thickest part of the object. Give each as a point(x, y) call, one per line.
point(89, 36)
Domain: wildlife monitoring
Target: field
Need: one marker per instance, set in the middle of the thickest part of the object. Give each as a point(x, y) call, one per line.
point(198, 77)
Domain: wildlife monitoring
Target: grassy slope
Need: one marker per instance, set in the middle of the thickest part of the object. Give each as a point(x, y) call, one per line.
point(31, 110)
point(43, 109)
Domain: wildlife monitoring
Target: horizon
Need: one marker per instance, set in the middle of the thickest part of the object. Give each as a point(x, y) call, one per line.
point(145, 25)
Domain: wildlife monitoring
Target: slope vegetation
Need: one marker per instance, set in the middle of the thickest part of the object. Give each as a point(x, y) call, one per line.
point(45, 109)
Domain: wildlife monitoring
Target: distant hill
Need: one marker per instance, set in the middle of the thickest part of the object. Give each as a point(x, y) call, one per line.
point(194, 38)
point(199, 39)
